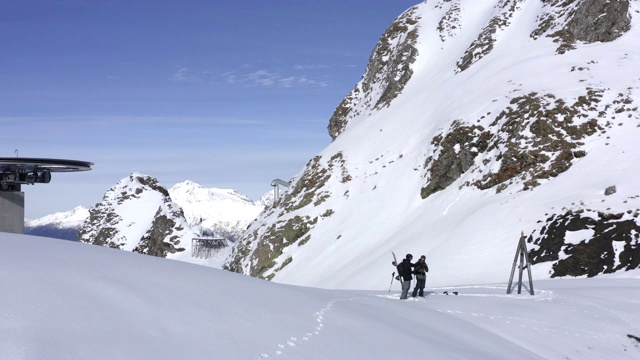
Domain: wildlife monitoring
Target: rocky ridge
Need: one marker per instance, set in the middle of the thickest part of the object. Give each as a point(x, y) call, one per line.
point(387, 73)
point(586, 21)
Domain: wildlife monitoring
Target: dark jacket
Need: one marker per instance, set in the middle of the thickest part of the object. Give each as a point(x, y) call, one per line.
point(405, 269)
point(421, 269)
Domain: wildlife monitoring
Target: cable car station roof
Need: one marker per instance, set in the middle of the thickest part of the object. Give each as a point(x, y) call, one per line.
point(15, 171)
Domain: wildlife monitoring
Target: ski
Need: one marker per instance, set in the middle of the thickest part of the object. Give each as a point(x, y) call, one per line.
point(395, 263)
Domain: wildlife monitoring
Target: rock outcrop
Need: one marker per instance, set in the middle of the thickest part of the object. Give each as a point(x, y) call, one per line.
point(587, 21)
point(137, 215)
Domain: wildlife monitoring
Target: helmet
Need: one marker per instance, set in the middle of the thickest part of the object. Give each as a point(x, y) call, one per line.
point(409, 256)
point(423, 257)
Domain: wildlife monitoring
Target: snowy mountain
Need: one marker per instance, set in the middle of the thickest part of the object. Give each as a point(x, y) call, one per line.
point(61, 225)
point(224, 212)
point(138, 215)
point(474, 122)
point(90, 302)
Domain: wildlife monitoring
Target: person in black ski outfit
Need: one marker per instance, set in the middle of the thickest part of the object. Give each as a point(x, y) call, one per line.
point(420, 269)
point(405, 270)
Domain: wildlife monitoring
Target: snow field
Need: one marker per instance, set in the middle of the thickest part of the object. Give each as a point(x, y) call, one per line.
point(64, 300)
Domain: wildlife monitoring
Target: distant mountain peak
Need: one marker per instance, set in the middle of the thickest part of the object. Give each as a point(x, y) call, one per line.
point(137, 214)
point(225, 212)
point(70, 218)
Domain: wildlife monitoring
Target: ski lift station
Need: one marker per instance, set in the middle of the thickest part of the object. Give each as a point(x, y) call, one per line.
point(276, 188)
point(15, 172)
point(207, 247)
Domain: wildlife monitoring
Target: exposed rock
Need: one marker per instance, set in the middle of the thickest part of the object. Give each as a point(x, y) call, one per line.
point(587, 21)
point(556, 129)
point(536, 138)
point(597, 20)
point(449, 24)
point(484, 43)
point(304, 190)
point(272, 244)
point(606, 243)
point(387, 73)
point(457, 153)
point(257, 253)
point(610, 190)
point(160, 239)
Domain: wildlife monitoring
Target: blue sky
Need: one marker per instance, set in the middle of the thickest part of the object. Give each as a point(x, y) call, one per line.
point(228, 94)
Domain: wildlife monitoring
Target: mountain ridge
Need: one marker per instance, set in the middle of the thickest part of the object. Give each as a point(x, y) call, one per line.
point(500, 110)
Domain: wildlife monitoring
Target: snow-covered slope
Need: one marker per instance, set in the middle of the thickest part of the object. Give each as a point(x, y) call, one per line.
point(475, 121)
point(88, 302)
point(225, 212)
point(61, 225)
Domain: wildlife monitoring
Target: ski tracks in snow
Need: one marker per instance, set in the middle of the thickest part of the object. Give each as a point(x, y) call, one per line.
point(461, 310)
point(524, 323)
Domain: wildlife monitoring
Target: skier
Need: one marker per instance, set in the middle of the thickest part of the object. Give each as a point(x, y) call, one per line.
point(421, 269)
point(405, 270)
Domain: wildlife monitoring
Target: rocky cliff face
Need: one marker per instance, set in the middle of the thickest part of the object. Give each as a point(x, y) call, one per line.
point(137, 215)
point(586, 21)
point(585, 242)
point(388, 72)
point(500, 117)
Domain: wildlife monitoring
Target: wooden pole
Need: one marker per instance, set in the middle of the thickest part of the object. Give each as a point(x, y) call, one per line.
point(513, 269)
point(524, 249)
point(520, 269)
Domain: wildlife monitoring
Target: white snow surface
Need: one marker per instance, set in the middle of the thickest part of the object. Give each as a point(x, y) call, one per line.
point(64, 301)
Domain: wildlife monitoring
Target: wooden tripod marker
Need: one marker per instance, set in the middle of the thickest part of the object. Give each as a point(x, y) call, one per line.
point(521, 253)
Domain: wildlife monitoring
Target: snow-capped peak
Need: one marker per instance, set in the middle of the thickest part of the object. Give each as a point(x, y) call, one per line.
point(225, 212)
point(71, 218)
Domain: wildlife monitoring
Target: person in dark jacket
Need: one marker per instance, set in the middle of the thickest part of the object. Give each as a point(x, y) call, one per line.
point(405, 270)
point(420, 269)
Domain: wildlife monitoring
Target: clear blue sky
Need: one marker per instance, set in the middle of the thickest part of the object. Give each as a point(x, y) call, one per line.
point(228, 94)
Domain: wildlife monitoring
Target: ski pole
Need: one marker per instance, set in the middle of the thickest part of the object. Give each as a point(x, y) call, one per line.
point(392, 276)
